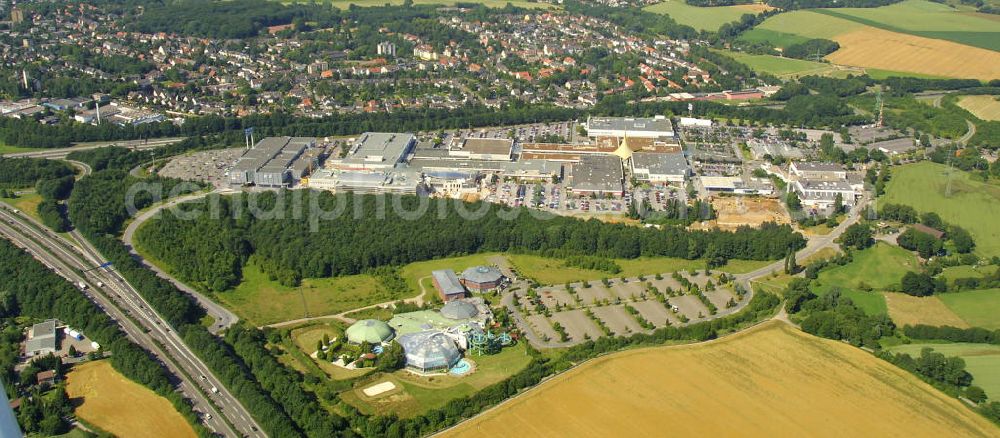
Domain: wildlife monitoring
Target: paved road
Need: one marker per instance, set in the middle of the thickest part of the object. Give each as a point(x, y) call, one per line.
point(58, 153)
point(223, 317)
point(120, 301)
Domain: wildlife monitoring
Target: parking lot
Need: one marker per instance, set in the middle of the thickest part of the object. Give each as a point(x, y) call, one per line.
point(206, 166)
point(607, 302)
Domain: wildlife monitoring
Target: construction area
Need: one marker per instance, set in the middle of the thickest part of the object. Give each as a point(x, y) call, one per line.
point(735, 211)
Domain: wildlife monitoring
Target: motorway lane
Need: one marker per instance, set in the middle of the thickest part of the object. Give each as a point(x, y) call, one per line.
point(62, 152)
point(135, 334)
point(129, 298)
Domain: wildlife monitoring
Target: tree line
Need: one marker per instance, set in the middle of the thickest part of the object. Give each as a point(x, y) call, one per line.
point(211, 248)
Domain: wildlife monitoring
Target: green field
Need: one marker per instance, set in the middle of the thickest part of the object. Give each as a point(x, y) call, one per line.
point(794, 27)
point(702, 18)
point(979, 308)
point(971, 204)
point(262, 301)
point(5, 149)
point(981, 360)
point(554, 271)
point(966, 271)
point(927, 19)
point(879, 267)
point(344, 4)
point(779, 66)
point(417, 394)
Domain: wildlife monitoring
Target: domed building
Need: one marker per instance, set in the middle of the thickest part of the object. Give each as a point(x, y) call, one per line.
point(459, 310)
point(482, 278)
point(429, 351)
point(371, 331)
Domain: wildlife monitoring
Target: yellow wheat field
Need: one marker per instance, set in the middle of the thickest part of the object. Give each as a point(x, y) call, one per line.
point(985, 107)
point(908, 310)
point(121, 406)
point(770, 381)
point(877, 48)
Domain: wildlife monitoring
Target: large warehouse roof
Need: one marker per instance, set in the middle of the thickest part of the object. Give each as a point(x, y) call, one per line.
point(661, 164)
point(371, 331)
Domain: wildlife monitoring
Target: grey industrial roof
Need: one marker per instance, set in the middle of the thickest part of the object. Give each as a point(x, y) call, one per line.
point(661, 164)
point(43, 336)
point(429, 350)
point(482, 274)
point(381, 146)
point(459, 309)
point(493, 146)
point(818, 166)
point(513, 167)
point(631, 124)
point(825, 185)
point(448, 281)
point(597, 173)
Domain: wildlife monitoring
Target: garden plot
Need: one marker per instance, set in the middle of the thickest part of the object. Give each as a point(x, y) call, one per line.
point(617, 319)
point(577, 324)
point(656, 313)
point(542, 327)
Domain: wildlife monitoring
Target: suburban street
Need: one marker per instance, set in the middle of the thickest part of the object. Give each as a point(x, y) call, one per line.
point(196, 381)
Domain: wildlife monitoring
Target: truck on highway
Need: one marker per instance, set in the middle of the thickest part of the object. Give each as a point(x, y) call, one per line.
point(215, 390)
point(83, 286)
point(99, 284)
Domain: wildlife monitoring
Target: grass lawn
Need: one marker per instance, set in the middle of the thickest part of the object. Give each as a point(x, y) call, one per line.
point(880, 74)
point(981, 360)
point(779, 66)
point(967, 271)
point(703, 18)
point(261, 301)
point(879, 267)
point(554, 271)
point(344, 4)
point(120, 406)
point(305, 339)
point(985, 107)
point(979, 308)
point(418, 394)
point(27, 203)
point(973, 205)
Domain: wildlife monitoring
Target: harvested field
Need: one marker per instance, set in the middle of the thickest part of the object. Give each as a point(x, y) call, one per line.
point(905, 309)
point(877, 48)
point(984, 107)
point(734, 211)
point(120, 406)
point(617, 319)
point(801, 385)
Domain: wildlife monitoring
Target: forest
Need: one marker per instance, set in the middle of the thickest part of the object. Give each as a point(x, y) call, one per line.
point(223, 19)
point(211, 249)
point(18, 173)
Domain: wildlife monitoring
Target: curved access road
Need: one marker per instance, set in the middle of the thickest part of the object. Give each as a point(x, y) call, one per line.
point(223, 317)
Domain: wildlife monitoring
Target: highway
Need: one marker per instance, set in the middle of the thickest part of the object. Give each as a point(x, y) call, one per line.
point(196, 380)
point(61, 153)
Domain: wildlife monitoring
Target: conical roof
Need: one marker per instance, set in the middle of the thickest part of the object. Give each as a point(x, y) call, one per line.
point(458, 309)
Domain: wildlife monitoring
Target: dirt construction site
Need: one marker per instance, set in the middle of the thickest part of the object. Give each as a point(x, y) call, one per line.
point(734, 211)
